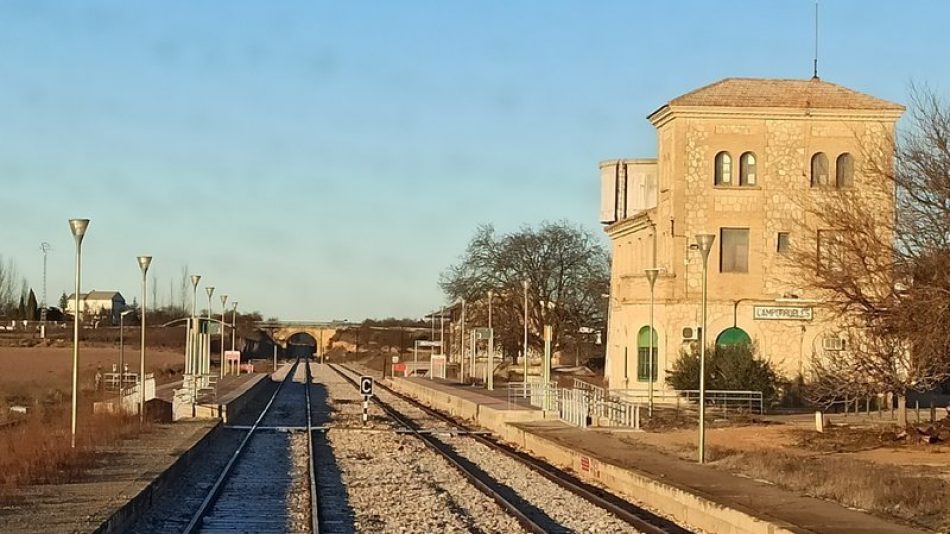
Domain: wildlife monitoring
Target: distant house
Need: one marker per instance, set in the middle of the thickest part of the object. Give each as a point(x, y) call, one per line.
point(104, 305)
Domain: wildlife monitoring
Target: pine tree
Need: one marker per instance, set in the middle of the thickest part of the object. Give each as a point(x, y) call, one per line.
point(21, 309)
point(63, 301)
point(32, 308)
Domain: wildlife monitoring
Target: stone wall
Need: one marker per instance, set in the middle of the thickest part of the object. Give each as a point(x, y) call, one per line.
point(690, 203)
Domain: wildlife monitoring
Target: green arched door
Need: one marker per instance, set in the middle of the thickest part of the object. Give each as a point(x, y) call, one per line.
point(644, 342)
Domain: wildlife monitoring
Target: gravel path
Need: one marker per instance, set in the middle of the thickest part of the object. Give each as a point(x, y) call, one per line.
point(393, 482)
point(554, 507)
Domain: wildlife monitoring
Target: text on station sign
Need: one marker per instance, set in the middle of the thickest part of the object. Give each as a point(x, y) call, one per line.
point(782, 313)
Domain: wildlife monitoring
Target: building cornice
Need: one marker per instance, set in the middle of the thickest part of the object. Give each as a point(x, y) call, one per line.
point(640, 221)
point(667, 113)
point(635, 161)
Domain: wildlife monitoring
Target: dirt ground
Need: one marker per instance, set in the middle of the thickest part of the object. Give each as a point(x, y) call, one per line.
point(35, 371)
point(857, 440)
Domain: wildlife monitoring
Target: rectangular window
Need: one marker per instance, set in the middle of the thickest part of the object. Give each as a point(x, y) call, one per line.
point(734, 250)
point(783, 244)
point(643, 364)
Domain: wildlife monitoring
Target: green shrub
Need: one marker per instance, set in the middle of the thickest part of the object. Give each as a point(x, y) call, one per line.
point(733, 367)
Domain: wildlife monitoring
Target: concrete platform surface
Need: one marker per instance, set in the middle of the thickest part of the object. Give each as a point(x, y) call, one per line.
point(497, 398)
point(717, 500)
point(753, 497)
point(120, 473)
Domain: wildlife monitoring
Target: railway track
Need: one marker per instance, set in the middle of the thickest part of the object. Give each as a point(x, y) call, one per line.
point(262, 488)
point(640, 519)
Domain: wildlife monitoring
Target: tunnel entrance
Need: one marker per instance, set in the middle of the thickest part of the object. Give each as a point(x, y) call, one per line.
point(301, 345)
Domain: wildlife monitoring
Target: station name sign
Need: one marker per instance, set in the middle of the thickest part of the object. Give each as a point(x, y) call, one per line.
point(782, 313)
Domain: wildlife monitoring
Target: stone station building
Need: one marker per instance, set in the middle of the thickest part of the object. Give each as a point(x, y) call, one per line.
point(740, 159)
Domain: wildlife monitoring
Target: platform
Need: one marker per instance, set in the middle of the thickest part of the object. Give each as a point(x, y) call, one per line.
point(477, 404)
point(122, 472)
point(231, 396)
point(699, 496)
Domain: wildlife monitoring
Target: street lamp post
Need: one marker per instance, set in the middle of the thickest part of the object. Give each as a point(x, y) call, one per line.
point(524, 353)
point(224, 303)
point(192, 335)
point(78, 228)
point(489, 368)
point(210, 291)
point(144, 262)
point(651, 277)
point(462, 346)
point(705, 242)
point(234, 306)
point(193, 341)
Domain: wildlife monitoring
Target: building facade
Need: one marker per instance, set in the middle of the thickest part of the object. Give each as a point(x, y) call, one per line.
point(740, 159)
point(97, 304)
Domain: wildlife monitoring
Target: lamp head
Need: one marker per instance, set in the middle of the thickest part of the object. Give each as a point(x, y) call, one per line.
point(652, 273)
point(195, 278)
point(78, 228)
point(224, 300)
point(144, 262)
point(705, 243)
point(234, 304)
point(210, 291)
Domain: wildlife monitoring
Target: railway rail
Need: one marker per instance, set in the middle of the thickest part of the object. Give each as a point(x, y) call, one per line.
point(255, 492)
point(637, 517)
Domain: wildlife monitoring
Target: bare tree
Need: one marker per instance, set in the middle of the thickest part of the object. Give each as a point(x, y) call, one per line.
point(567, 271)
point(11, 288)
point(883, 271)
point(183, 289)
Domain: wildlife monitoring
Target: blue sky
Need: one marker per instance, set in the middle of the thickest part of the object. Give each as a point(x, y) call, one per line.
point(322, 160)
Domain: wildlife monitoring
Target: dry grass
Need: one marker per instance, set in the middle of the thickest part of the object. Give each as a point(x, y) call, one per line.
point(908, 494)
point(38, 449)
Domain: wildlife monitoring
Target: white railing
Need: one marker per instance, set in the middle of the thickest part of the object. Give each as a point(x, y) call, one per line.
point(579, 406)
point(616, 411)
point(725, 400)
point(573, 407)
point(620, 413)
point(536, 394)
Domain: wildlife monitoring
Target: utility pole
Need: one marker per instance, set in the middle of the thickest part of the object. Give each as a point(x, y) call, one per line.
point(45, 247)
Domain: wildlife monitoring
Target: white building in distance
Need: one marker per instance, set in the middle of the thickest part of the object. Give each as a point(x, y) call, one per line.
point(97, 304)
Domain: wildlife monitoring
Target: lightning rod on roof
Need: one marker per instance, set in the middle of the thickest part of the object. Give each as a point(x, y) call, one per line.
point(814, 74)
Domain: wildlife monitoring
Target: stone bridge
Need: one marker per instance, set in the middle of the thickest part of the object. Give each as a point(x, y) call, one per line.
point(283, 332)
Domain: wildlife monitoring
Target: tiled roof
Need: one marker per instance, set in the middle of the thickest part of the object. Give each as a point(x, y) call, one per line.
point(102, 295)
point(772, 93)
point(95, 295)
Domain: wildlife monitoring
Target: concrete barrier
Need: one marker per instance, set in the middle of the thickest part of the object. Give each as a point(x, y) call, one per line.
point(682, 504)
point(235, 402)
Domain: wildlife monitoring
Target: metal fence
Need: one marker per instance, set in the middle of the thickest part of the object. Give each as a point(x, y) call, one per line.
point(536, 394)
point(724, 400)
point(613, 410)
point(574, 407)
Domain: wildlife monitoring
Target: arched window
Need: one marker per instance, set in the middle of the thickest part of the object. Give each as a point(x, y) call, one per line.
point(644, 355)
point(819, 170)
point(844, 170)
point(723, 169)
point(747, 165)
point(733, 336)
